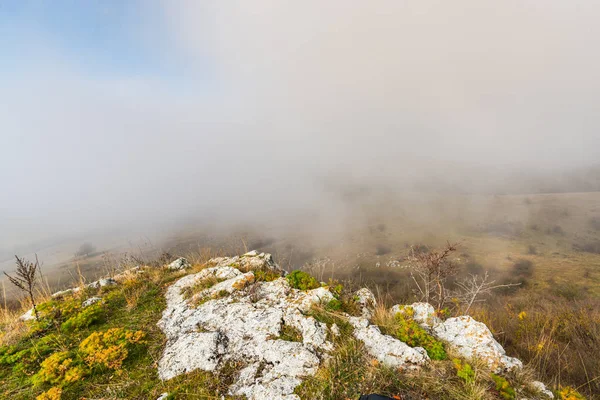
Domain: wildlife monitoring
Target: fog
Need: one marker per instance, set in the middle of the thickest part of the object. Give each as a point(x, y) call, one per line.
point(265, 109)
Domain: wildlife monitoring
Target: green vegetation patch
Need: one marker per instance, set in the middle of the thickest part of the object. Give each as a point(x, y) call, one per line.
point(302, 280)
point(405, 328)
point(503, 387)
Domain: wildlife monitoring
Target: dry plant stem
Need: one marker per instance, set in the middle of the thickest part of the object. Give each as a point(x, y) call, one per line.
point(25, 279)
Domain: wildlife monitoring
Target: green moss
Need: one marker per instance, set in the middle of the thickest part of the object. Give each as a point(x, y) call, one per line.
point(302, 280)
point(86, 317)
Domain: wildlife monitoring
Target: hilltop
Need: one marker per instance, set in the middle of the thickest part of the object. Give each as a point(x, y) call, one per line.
point(242, 327)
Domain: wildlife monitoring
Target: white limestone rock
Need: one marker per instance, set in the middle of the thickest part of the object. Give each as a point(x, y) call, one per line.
point(179, 264)
point(386, 349)
point(249, 261)
point(90, 301)
point(366, 301)
point(28, 316)
point(335, 330)
point(102, 283)
point(424, 314)
point(542, 389)
point(473, 340)
point(244, 326)
point(63, 293)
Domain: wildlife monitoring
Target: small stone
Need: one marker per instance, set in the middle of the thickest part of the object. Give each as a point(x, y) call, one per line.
point(335, 330)
point(102, 283)
point(28, 316)
point(90, 301)
point(179, 264)
point(542, 389)
point(62, 293)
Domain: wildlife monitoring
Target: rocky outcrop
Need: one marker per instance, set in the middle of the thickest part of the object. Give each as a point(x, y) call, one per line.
point(238, 319)
point(387, 350)
point(473, 340)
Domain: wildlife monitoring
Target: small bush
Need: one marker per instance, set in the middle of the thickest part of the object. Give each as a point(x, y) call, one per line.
point(110, 348)
point(411, 333)
point(503, 387)
point(302, 281)
point(54, 393)
point(464, 370)
point(568, 393)
point(58, 369)
point(523, 268)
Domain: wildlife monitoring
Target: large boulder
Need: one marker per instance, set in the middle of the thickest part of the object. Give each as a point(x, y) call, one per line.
point(473, 340)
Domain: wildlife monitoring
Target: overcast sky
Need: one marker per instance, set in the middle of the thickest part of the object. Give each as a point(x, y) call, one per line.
point(117, 112)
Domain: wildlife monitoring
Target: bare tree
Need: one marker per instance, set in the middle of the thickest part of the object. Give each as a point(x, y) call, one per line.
point(26, 279)
point(473, 287)
point(430, 271)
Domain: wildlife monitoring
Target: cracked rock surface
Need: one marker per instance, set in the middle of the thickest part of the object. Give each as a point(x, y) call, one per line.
point(244, 326)
point(473, 340)
point(243, 320)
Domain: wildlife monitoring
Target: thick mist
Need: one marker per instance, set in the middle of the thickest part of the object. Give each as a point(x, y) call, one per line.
point(265, 110)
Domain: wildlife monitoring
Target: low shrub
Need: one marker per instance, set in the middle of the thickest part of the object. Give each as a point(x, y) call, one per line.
point(110, 348)
point(464, 370)
point(54, 393)
point(407, 330)
point(503, 387)
point(302, 280)
point(568, 393)
point(523, 268)
point(59, 369)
